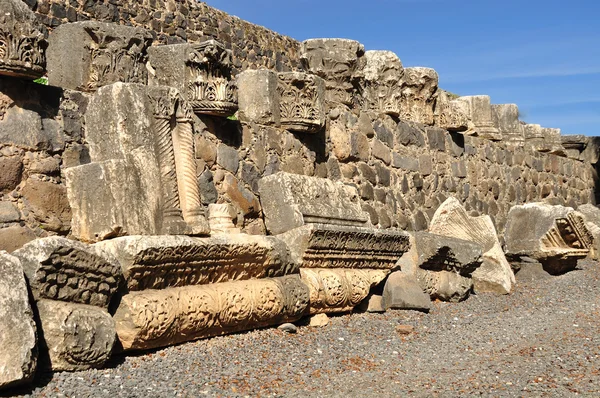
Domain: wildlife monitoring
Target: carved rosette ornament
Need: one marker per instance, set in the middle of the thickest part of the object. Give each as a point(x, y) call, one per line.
point(22, 44)
point(210, 89)
point(301, 101)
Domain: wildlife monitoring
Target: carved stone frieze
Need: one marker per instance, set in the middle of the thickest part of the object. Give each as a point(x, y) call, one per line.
point(160, 262)
point(334, 246)
point(339, 290)
point(301, 101)
point(67, 270)
point(451, 114)
point(200, 71)
point(87, 55)
point(480, 115)
point(383, 73)
point(290, 201)
point(77, 336)
point(157, 318)
point(22, 44)
point(419, 93)
point(337, 61)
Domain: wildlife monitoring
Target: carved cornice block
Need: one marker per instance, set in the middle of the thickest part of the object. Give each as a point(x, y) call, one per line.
point(159, 262)
point(292, 100)
point(480, 115)
point(291, 200)
point(158, 318)
point(200, 71)
point(22, 44)
point(383, 74)
point(338, 62)
point(339, 290)
point(67, 270)
point(419, 92)
point(87, 55)
point(333, 246)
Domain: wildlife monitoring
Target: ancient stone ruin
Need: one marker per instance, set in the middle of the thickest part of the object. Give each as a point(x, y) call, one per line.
point(186, 177)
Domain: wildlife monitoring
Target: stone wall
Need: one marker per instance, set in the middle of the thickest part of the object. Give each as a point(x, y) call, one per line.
point(178, 21)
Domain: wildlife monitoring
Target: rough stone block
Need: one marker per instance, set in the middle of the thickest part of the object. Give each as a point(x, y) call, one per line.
point(18, 336)
point(14, 237)
point(228, 158)
point(22, 48)
point(506, 119)
point(11, 169)
point(87, 55)
point(77, 337)
point(383, 73)
point(158, 318)
point(200, 71)
point(257, 97)
point(339, 290)
point(160, 262)
point(402, 292)
point(49, 204)
point(419, 92)
point(290, 201)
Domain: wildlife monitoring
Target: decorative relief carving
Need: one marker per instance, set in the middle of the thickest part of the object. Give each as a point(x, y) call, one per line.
point(337, 62)
point(174, 261)
point(78, 336)
point(220, 219)
point(66, 270)
point(301, 101)
point(383, 82)
point(450, 114)
point(157, 318)
point(568, 232)
point(419, 93)
point(339, 290)
point(22, 44)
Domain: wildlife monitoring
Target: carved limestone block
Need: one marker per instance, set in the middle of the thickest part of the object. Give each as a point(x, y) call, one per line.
point(534, 138)
point(339, 290)
point(419, 93)
point(77, 336)
point(480, 115)
point(291, 100)
point(556, 236)
point(87, 55)
point(157, 318)
point(291, 200)
point(18, 333)
point(444, 285)
point(335, 246)
point(495, 274)
point(338, 62)
point(451, 114)
point(66, 270)
point(383, 73)
point(22, 44)
point(574, 145)
point(506, 119)
point(149, 131)
point(200, 71)
point(553, 140)
point(220, 219)
point(160, 262)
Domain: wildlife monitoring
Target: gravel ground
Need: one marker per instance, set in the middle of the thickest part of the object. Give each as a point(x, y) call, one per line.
point(542, 340)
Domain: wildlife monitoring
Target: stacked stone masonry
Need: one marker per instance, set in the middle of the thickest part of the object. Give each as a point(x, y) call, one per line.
point(187, 174)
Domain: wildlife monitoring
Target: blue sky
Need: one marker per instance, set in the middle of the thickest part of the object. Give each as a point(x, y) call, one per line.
point(542, 55)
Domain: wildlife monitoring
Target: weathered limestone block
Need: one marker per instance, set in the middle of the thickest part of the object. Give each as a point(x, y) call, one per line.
point(403, 292)
point(506, 120)
point(291, 100)
point(339, 290)
point(290, 201)
point(442, 265)
point(66, 270)
point(534, 138)
point(157, 318)
point(200, 71)
point(553, 141)
point(77, 336)
point(220, 219)
point(495, 274)
point(556, 236)
point(451, 114)
point(419, 92)
point(87, 55)
point(591, 216)
point(160, 262)
point(18, 336)
point(335, 246)
point(480, 115)
point(337, 61)
point(383, 75)
point(150, 130)
point(22, 44)
point(574, 145)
